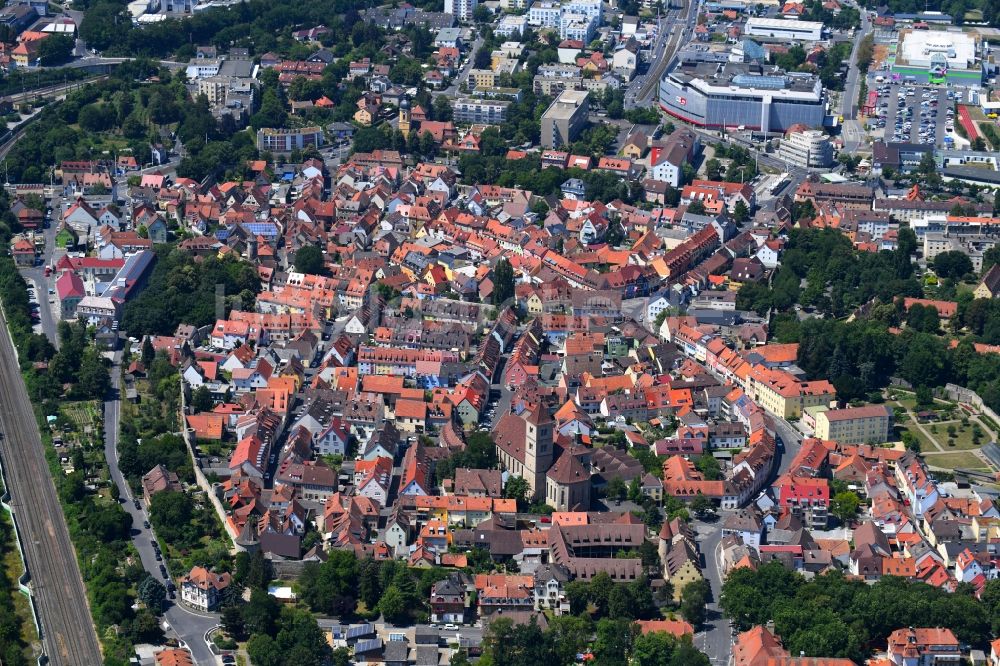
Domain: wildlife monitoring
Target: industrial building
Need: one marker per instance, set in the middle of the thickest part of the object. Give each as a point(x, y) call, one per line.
point(565, 118)
point(715, 95)
point(784, 29)
point(939, 56)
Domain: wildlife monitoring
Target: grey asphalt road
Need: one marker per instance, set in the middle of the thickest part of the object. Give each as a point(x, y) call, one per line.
point(68, 635)
point(789, 440)
point(463, 73)
point(716, 638)
point(670, 41)
point(853, 131)
point(188, 625)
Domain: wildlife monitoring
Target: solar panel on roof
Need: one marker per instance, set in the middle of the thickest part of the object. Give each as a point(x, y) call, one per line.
point(360, 630)
point(262, 228)
point(368, 645)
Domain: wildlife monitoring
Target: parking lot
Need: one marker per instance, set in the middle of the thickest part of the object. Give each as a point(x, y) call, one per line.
point(913, 113)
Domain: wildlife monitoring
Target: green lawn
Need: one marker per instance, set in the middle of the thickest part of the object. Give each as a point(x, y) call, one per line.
point(951, 461)
point(925, 444)
point(963, 439)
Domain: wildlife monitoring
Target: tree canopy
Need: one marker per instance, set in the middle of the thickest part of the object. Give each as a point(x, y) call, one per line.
point(181, 290)
point(832, 616)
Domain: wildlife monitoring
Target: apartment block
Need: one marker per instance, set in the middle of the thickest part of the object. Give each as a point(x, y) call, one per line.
point(855, 425)
point(786, 396)
point(273, 140)
point(565, 118)
point(488, 111)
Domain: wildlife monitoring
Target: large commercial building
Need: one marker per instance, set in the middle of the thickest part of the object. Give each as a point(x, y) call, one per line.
point(855, 425)
point(938, 56)
point(273, 140)
point(714, 95)
point(807, 149)
point(784, 29)
point(565, 118)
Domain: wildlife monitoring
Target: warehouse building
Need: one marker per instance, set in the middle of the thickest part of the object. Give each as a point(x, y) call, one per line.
point(784, 29)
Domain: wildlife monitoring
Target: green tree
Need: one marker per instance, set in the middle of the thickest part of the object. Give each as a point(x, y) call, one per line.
point(260, 615)
point(55, 50)
point(613, 642)
point(152, 593)
point(232, 622)
point(309, 259)
point(694, 596)
point(741, 213)
point(392, 606)
point(148, 353)
point(713, 169)
point(264, 651)
point(442, 108)
point(201, 399)
point(702, 506)
point(845, 505)
point(991, 256)
point(517, 488)
point(570, 636)
point(616, 489)
point(653, 649)
point(709, 467)
point(272, 111)
point(952, 264)
point(503, 282)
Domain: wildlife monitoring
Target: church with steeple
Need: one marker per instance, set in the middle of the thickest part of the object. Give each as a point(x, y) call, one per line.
point(557, 472)
point(405, 117)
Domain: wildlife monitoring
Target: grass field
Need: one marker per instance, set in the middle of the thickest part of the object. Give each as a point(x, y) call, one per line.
point(963, 440)
point(925, 444)
point(950, 461)
point(12, 568)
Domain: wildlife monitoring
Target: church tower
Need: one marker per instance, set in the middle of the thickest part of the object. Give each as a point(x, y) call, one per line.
point(538, 427)
point(405, 117)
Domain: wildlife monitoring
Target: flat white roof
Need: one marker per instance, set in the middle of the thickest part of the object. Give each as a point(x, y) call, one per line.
point(783, 24)
point(917, 47)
